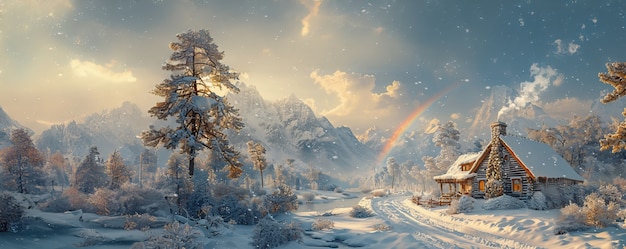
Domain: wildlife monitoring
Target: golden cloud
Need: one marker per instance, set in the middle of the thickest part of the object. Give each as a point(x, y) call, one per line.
point(90, 69)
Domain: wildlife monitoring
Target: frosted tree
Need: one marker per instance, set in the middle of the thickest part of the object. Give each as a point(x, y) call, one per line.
point(90, 174)
point(257, 155)
point(447, 137)
point(22, 164)
point(191, 98)
point(393, 168)
point(616, 77)
point(175, 180)
point(56, 169)
point(117, 170)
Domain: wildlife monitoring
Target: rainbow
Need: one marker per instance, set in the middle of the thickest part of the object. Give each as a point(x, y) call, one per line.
point(408, 121)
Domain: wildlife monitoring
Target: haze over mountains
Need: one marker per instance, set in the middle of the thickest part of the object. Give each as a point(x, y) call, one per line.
point(289, 129)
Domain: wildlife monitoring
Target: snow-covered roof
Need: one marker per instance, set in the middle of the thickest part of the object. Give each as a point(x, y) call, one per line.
point(455, 172)
point(540, 158)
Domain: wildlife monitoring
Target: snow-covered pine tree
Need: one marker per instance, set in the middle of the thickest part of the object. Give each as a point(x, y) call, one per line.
point(90, 174)
point(447, 137)
point(616, 77)
point(22, 164)
point(191, 99)
point(117, 170)
point(257, 155)
point(393, 168)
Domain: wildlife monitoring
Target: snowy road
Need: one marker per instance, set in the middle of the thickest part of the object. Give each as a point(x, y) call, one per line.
point(437, 230)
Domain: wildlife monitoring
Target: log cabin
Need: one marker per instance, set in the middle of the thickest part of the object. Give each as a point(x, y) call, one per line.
point(525, 166)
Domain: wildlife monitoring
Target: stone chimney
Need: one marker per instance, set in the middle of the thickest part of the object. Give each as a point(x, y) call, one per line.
point(498, 128)
point(495, 186)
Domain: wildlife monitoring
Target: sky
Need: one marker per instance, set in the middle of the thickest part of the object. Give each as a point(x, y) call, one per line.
point(359, 63)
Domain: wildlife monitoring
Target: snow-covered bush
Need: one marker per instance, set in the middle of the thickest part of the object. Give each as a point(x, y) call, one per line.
point(11, 212)
point(321, 224)
point(77, 200)
point(571, 218)
point(134, 199)
point(238, 211)
point(139, 221)
point(503, 202)
point(558, 197)
point(281, 201)
point(360, 212)
point(103, 199)
point(381, 227)
point(597, 212)
point(269, 233)
point(465, 204)
point(379, 193)
point(175, 235)
point(610, 193)
point(55, 204)
point(537, 201)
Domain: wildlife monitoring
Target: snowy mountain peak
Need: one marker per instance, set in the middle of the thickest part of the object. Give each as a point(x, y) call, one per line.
point(7, 124)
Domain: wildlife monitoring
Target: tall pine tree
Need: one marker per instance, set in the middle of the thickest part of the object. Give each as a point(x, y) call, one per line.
point(190, 97)
point(90, 173)
point(22, 164)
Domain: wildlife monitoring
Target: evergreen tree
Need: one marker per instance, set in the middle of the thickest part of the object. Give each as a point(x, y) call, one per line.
point(176, 181)
point(257, 155)
point(191, 99)
point(90, 173)
point(393, 168)
point(117, 171)
point(616, 77)
point(22, 164)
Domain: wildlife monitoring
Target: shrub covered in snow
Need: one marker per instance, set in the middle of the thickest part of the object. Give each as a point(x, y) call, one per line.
point(465, 204)
point(537, 201)
point(610, 193)
point(139, 221)
point(321, 224)
point(597, 212)
point(231, 209)
point(379, 193)
point(269, 233)
point(503, 202)
point(381, 227)
point(134, 199)
point(11, 212)
point(281, 201)
point(564, 195)
point(594, 212)
point(175, 235)
point(360, 212)
point(571, 218)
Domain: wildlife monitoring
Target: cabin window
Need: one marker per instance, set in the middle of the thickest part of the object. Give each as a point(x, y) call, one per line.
point(481, 185)
point(466, 167)
point(516, 185)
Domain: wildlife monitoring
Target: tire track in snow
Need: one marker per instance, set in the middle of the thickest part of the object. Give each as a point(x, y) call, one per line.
point(438, 232)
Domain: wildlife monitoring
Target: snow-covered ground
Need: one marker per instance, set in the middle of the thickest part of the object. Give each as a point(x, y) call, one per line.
point(396, 223)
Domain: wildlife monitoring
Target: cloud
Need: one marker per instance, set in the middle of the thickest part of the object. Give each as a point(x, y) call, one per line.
point(314, 7)
point(358, 103)
point(455, 115)
point(529, 92)
point(567, 107)
point(571, 48)
point(90, 69)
